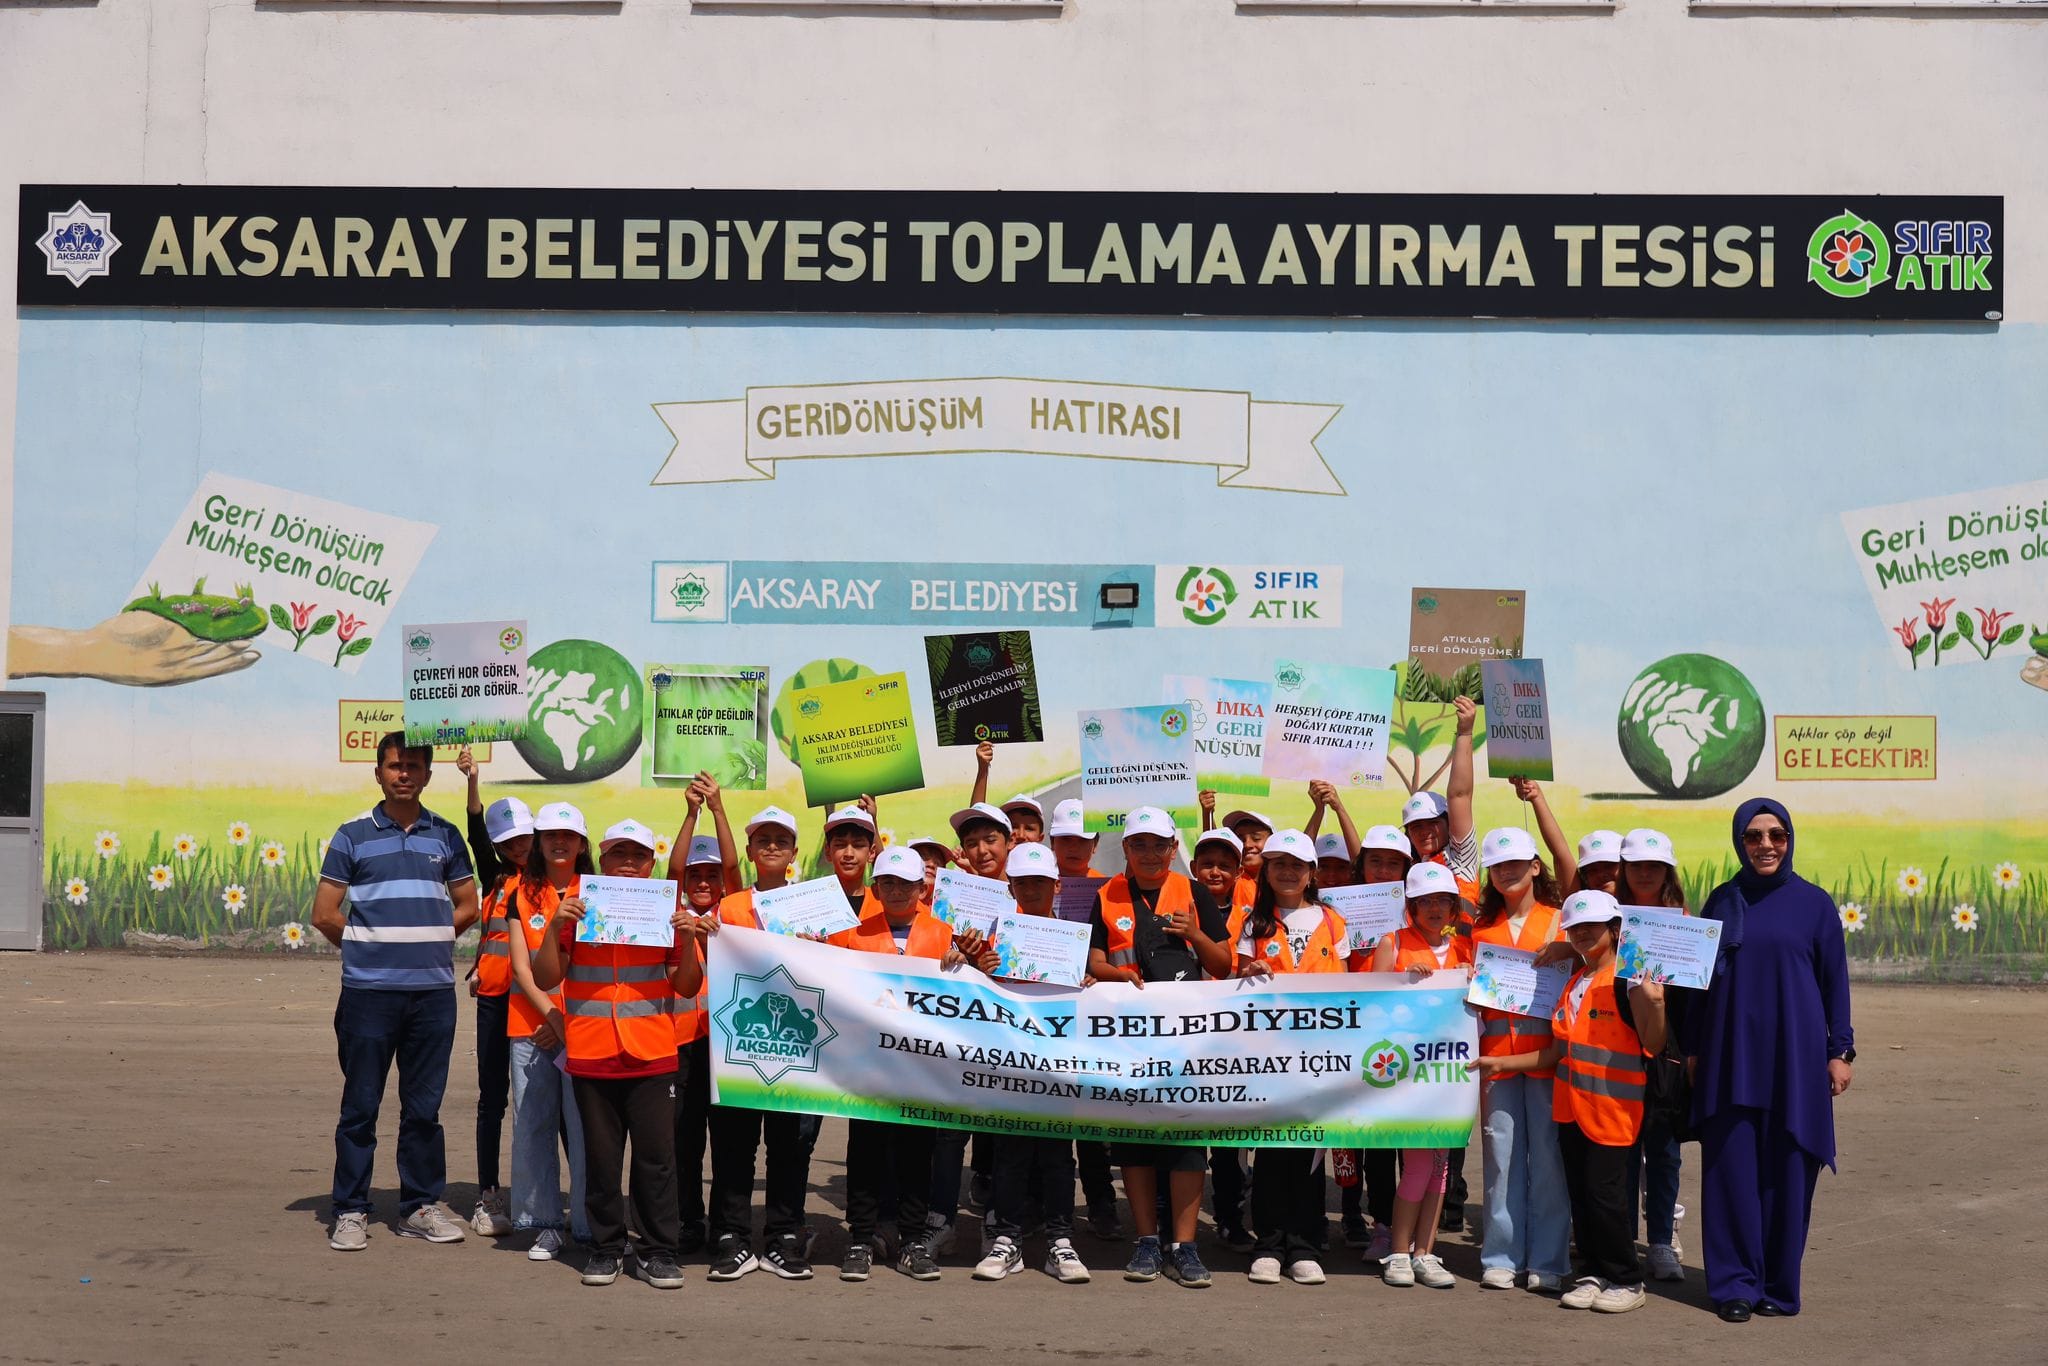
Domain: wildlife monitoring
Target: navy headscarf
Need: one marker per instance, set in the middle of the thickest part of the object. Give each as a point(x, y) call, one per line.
point(1731, 901)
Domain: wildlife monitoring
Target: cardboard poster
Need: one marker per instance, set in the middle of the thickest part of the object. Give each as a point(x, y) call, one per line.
point(1330, 722)
point(1227, 717)
point(1132, 757)
point(855, 737)
point(464, 681)
point(1517, 719)
point(1452, 630)
point(705, 718)
point(984, 688)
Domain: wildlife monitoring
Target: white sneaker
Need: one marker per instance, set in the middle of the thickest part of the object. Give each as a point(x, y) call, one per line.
point(1429, 1271)
point(1003, 1258)
point(1543, 1283)
point(938, 1234)
point(1397, 1268)
point(1619, 1299)
point(1582, 1295)
point(1497, 1278)
point(351, 1233)
point(1664, 1263)
point(1265, 1271)
point(1381, 1246)
point(436, 1223)
point(1307, 1271)
point(1063, 1264)
point(547, 1245)
point(490, 1219)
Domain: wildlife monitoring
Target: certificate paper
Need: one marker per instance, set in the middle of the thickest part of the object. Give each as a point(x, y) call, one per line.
point(1075, 899)
point(1505, 978)
point(1371, 911)
point(815, 907)
point(1667, 946)
point(1040, 948)
point(627, 910)
point(967, 902)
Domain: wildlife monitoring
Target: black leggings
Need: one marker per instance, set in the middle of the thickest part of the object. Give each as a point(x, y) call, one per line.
point(493, 1085)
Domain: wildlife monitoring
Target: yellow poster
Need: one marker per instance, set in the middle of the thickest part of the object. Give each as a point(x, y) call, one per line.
point(1855, 748)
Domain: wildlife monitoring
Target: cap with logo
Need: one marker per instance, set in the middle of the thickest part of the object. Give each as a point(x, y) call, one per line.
point(1026, 802)
point(1068, 818)
point(703, 849)
point(1430, 879)
point(897, 861)
point(1223, 837)
point(850, 815)
point(1291, 844)
point(628, 831)
point(1505, 845)
point(560, 816)
point(772, 815)
point(1331, 845)
point(1149, 820)
point(1424, 806)
point(1601, 846)
point(1390, 837)
point(980, 811)
point(1031, 860)
point(944, 849)
point(507, 818)
point(1233, 819)
point(1584, 908)
point(1644, 845)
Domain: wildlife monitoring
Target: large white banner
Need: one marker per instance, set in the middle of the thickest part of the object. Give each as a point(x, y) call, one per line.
point(1303, 1061)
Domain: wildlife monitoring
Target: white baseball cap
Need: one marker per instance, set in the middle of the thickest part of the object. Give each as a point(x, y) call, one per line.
point(1149, 820)
point(897, 861)
point(1424, 806)
point(1504, 845)
point(1221, 837)
point(1028, 802)
point(851, 815)
point(628, 832)
point(1236, 818)
point(775, 816)
point(1331, 845)
point(1387, 837)
point(703, 849)
point(1648, 846)
point(1291, 843)
point(1069, 818)
point(1581, 908)
point(1430, 879)
point(1601, 846)
point(561, 816)
point(1031, 860)
point(980, 811)
point(507, 818)
point(929, 842)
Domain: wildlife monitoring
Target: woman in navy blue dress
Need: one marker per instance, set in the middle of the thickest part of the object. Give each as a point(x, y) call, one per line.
point(1770, 1047)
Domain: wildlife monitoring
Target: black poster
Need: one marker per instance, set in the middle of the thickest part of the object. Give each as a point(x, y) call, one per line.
point(984, 688)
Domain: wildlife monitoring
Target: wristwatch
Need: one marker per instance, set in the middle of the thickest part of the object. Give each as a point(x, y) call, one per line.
point(1847, 1055)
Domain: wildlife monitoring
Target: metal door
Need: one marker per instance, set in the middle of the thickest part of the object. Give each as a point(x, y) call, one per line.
point(21, 820)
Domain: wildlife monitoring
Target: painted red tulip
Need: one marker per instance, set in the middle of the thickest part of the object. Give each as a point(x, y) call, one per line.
point(302, 614)
point(347, 627)
point(1908, 631)
point(1937, 613)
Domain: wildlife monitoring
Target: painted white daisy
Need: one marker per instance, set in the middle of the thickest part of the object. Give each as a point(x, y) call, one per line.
point(295, 936)
point(888, 836)
point(1964, 918)
point(238, 833)
point(76, 892)
point(273, 854)
point(661, 846)
point(106, 843)
point(1853, 919)
point(160, 877)
point(234, 898)
point(2007, 876)
point(1912, 881)
point(184, 846)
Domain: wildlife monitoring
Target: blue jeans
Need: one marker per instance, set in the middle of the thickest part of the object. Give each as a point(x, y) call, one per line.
point(371, 1030)
point(1528, 1208)
point(1659, 1180)
point(544, 1106)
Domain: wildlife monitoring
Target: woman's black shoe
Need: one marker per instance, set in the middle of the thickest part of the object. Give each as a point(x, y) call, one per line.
point(1766, 1310)
point(1733, 1311)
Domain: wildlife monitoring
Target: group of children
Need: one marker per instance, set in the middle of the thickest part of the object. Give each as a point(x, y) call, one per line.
point(601, 1043)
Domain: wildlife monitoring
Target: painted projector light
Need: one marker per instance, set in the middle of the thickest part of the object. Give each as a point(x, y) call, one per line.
point(1691, 726)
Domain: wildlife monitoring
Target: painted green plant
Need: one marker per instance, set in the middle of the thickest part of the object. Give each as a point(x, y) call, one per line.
point(209, 616)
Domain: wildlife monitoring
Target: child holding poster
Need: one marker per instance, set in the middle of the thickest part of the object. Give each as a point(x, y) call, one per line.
point(1336, 849)
point(500, 839)
point(707, 869)
point(1071, 842)
point(1034, 882)
point(1425, 946)
point(1649, 877)
point(1287, 930)
point(622, 1057)
point(1384, 855)
point(1528, 1219)
point(849, 848)
point(1603, 1034)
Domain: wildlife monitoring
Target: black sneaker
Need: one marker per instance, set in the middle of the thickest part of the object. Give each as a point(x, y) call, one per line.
point(600, 1269)
point(785, 1257)
point(917, 1263)
point(1356, 1234)
point(692, 1240)
point(857, 1263)
point(660, 1271)
point(1103, 1221)
point(1236, 1239)
point(1452, 1220)
point(732, 1260)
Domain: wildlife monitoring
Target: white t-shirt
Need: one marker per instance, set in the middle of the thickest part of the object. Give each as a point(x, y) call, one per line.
point(1299, 924)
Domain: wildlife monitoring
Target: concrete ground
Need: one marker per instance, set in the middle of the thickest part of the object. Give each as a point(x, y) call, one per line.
point(167, 1130)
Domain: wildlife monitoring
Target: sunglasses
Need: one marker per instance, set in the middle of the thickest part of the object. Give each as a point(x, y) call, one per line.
point(1777, 834)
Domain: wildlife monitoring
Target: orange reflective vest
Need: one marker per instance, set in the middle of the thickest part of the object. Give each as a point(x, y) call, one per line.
point(494, 949)
point(1244, 892)
point(930, 937)
point(1502, 1034)
point(531, 908)
point(1602, 1073)
point(1411, 950)
point(1324, 951)
point(1120, 914)
point(618, 1001)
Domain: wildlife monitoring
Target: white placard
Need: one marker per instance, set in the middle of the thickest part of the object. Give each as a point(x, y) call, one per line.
point(967, 902)
point(1371, 911)
point(636, 911)
point(1667, 946)
point(1506, 978)
point(818, 907)
point(1040, 948)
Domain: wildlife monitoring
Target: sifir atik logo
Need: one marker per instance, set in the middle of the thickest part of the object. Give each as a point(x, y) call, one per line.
point(78, 244)
point(1850, 256)
point(1205, 595)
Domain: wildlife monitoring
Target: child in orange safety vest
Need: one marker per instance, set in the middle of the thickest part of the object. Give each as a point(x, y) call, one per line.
point(499, 840)
point(1603, 1034)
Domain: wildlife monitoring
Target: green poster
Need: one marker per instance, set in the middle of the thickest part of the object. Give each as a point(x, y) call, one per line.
point(705, 718)
point(855, 737)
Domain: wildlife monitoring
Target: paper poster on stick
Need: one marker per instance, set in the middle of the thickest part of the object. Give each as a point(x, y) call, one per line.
point(1227, 717)
point(984, 688)
point(1132, 757)
point(856, 737)
point(1517, 719)
point(1330, 722)
point(705, 718)
point(1451, 631)
point(465, 681)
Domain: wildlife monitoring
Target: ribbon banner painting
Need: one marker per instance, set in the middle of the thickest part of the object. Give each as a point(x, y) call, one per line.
point(1307, 1061)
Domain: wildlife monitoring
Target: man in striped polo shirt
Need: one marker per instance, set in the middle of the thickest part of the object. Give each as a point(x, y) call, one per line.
point(395, 890)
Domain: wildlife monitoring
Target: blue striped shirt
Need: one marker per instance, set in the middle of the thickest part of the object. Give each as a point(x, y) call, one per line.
point(400, 934)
